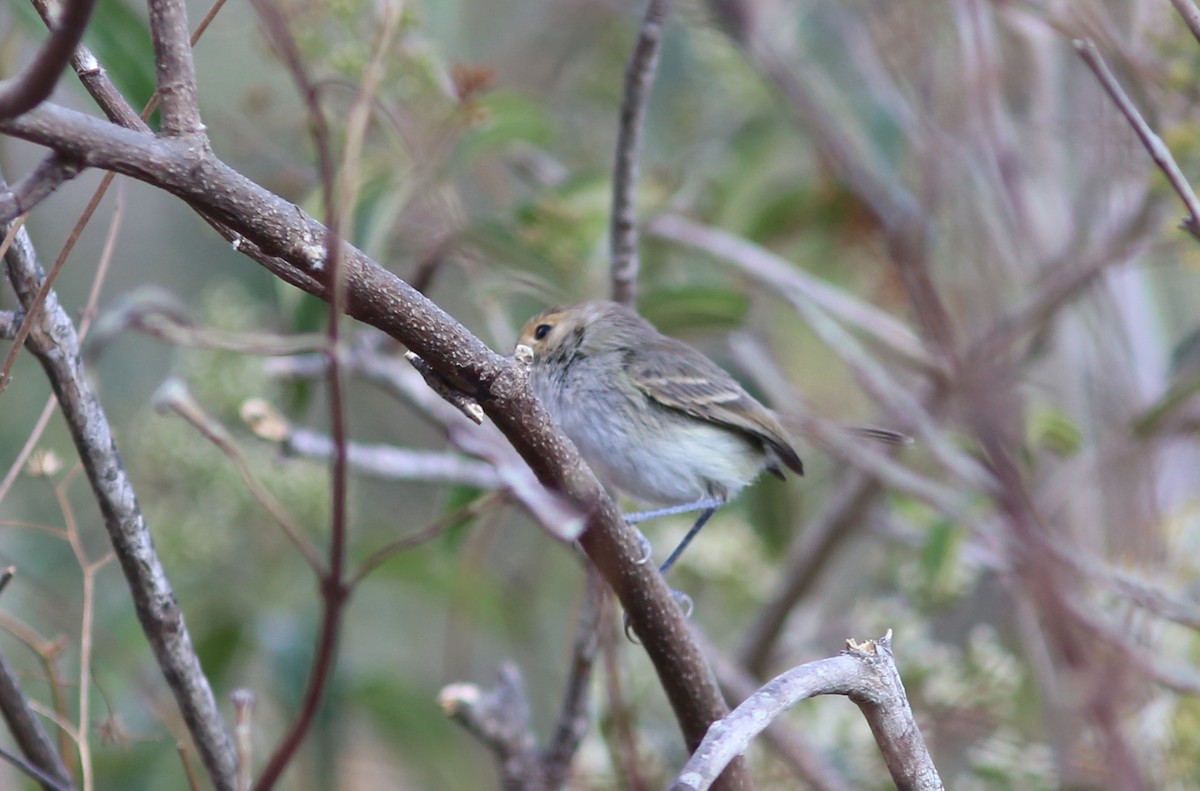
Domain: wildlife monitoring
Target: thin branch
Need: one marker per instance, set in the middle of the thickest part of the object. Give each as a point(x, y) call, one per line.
point(499, 717)
point(379, 556)
point(175, 72)
point(37, 185)
point(1153, 144)
point(639, 76)
point(872, 375)
point(53, 340)
point(842, 509)
point(553, 512)
point(28, 732)
point(47, 781)
point(36, 81)
point(174, 395)
point(1191, 15)
point(243, 729)
point(334, 587)
point(864, 672)
point(573, 715)
point(159, 314)
point(391, 463)
point(776, 273)
point(89, 311)
point(459, 400)
point(789, 743)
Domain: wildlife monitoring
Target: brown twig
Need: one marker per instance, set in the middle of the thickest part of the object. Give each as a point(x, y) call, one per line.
point(639, 76)
point(26, 728)
point(175, 73)
point(243, 729)
point(334, 587)
point(377, 558)
point(573, 720)
point(499, 717)
point(173, 395)
point(1153, 144)
point(623, 742)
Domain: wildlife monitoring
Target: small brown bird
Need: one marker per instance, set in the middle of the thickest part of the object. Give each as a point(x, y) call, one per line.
point(653, 417)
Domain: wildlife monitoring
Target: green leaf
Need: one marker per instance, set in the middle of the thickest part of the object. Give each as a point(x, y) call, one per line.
point(1054, 431)
point(939, 558)
point(121, 40)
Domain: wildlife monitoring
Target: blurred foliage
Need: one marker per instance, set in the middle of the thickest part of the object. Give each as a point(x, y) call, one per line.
point(486, 179)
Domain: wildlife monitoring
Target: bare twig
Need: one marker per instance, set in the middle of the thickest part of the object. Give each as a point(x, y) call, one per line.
point(376, 558)
point(173, 395)
point(639, 76)
point(789, 743)
point(243, 729)
point(499, 717)
point(89, 311)
point(461, 401)
point(864, 672)
point(161, 315)
point(573, 721)
point(28, 732)
point(389, 462)
point(45, 779)
point(452, 410)
point(53, 340)
point(1153, 144)
point(623, 741)
point(36, 81)
point(39, 183)
point(774, 272)
point(176, 75)
point(1191, 15)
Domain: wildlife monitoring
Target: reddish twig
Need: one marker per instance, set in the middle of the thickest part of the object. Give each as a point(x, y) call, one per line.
point(1153, 144)
point(639, 76)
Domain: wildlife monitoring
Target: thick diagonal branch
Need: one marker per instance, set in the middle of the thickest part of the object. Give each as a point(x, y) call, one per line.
point(294, 243)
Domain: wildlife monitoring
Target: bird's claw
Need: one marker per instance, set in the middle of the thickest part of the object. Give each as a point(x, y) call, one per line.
point(647, 548)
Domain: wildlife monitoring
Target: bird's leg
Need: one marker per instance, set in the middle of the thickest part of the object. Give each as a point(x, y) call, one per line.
point(682, 599)
point(687, 539)
point(708, 503)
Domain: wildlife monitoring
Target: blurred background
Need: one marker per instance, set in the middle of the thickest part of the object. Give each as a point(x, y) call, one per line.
point(923, 216)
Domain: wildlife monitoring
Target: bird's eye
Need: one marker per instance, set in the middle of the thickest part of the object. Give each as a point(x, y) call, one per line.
point(542, 331)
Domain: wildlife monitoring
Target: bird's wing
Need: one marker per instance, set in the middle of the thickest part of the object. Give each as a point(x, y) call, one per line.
point(677, 376)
